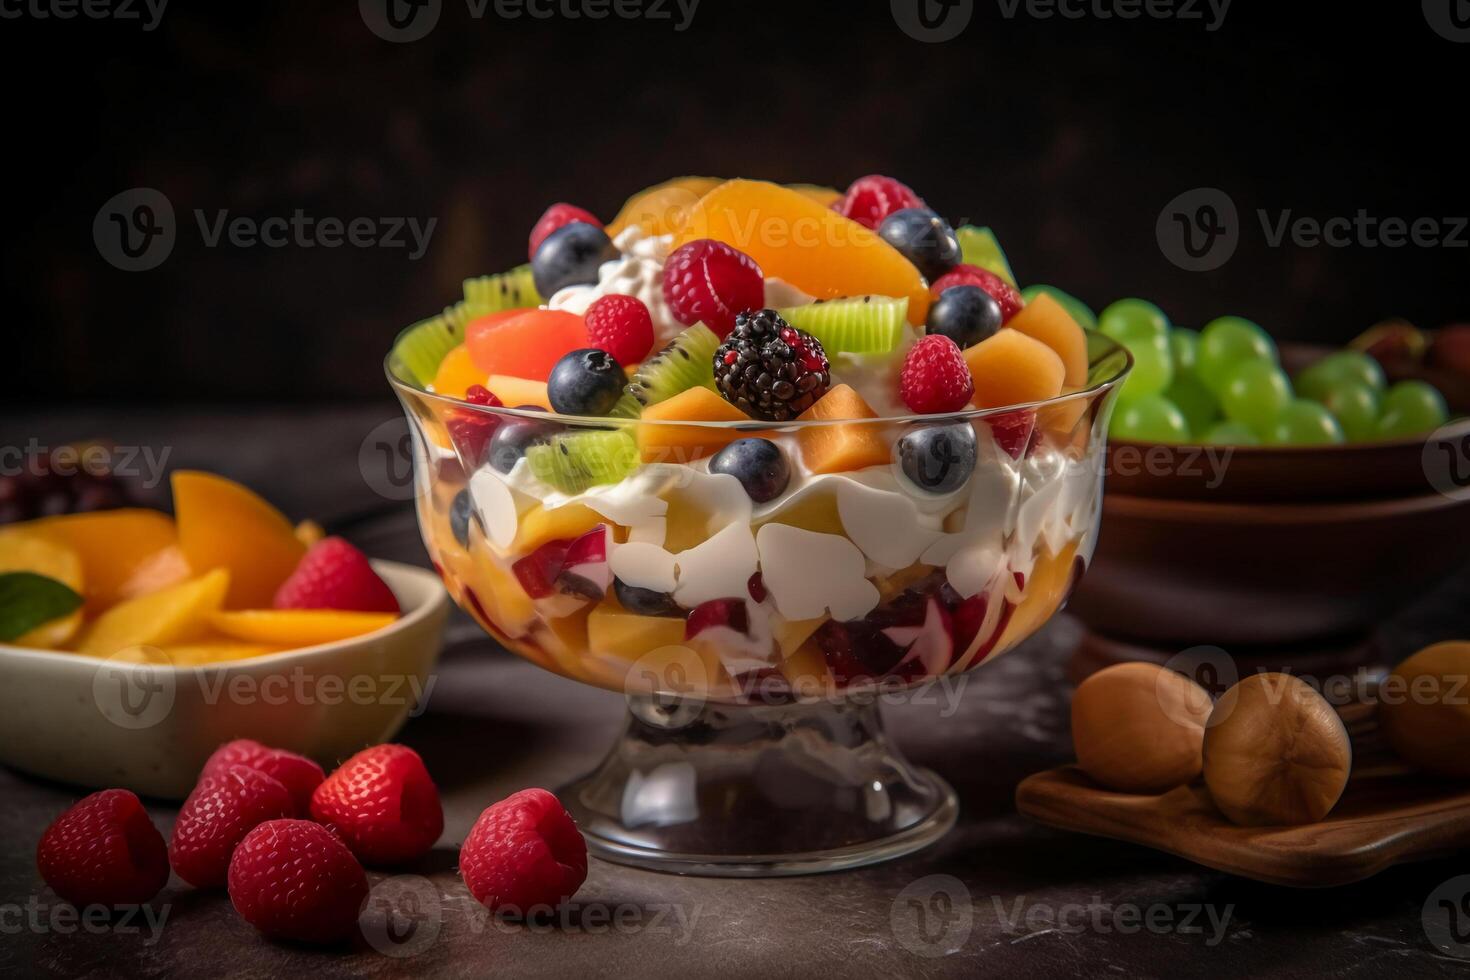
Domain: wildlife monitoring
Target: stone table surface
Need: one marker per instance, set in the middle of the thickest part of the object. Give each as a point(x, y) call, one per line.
point(1041, 902)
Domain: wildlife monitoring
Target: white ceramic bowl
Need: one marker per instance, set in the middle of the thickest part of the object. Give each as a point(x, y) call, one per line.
point(100, 723)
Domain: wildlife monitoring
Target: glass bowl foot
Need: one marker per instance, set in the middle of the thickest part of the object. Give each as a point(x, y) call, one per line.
point(756, 791)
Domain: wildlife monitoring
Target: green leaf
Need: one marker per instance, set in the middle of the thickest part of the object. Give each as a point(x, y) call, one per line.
point(28, 600)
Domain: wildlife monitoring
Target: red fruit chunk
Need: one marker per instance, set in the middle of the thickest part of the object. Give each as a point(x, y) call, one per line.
point(383, 804)
point(727, 613)
point(225, 806)
point(524, 343)
point(969, 617)
point(1002, 292)
point(297, 773)
point(553, 218)
point(935, 377)
point(537, 572)
point(928, 645)
point(523, 852)
point(335, 575)
point(872, 198)
point(294, 880)
point(480, 395)
point(1015, 432)
point(104, 851)
point(622, 326)
point(584, 569)
point(710, 282)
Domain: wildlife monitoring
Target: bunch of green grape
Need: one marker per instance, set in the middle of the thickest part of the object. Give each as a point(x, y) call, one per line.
point(1224, 385)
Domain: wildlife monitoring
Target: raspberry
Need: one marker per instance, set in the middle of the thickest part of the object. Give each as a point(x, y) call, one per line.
point(622, 326)
point(557, 216)
point(292, 879)
point(383, 803)
point(297, 773)
point(1015, 432)
point(523, 852)
point(935, 377)
point(471, 431)
point(104, 851)
point(972, 275)
point(872, 198)
point(335, 575)
point(480, 395)
point(769, 369)
point(225, 806)
point(710, 282)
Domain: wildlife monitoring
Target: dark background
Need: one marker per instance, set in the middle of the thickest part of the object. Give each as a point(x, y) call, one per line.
point(1067, 136)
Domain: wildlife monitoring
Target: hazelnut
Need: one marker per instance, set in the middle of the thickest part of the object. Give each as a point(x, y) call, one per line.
point(1424, 709)
point(1276, 753)
point(1138, 727)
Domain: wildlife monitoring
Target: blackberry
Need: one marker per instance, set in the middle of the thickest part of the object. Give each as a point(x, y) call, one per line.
point(769, 369)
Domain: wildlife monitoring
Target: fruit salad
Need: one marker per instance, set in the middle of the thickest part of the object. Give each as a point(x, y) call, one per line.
point(226, 578)
point(750, 435)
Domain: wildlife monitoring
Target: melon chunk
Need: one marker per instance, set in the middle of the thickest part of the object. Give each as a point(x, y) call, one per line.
point(1046, 320)
point(1011, 368)
point(840, 448)
point(664, 443)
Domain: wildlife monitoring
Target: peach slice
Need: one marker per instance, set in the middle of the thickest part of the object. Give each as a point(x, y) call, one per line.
point(840, 448)
point(225, 525)
point(663, 208)
point(664, 443)
point(179, 614)
point(114, 546)
point(22, 552)
point(803, 242)
point(1011, 368)
point(293, 628)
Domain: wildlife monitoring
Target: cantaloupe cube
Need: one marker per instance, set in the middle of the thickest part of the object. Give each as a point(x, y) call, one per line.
point(841, 448)
point(1011, 368)
point(1046, 320)
point(665, 443)
point(225, 525)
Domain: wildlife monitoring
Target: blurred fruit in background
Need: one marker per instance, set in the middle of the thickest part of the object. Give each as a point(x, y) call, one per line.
point(73, 479)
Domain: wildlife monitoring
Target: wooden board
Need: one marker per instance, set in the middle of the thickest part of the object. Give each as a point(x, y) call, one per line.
point(1382, 820)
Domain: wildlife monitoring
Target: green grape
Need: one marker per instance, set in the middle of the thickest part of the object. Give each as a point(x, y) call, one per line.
point(1254, 393)
point(1229, 433)
point(1304, 423)
point(1345, 366)
point(1129, 318)
point(1185, 345)
point(1153, 366)
point(1226, 342)
point(1150, 418)
point(1194, 400)
point(1411, 408)
point(1356, 408)
point(1079, 310)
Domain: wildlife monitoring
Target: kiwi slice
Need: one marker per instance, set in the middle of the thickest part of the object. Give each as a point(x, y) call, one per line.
point(979, 247)
point(511, 290)
point(573, 461)
point(687, 362)
point(419, 349)
point(856, 325)
point(627, 407)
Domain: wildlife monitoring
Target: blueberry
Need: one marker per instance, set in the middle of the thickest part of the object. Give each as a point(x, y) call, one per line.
point(460, 513)
point(924, 238)
point(645, 602)
point(965, 314)
point(570, 256)
point(938, 458)
point(758, 464)
point(585, 382)
point(513, 437)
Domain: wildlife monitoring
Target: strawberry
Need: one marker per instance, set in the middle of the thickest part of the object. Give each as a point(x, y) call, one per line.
point(335, 575)
point(104, 851)
point(383, 804)
point(292, 879)
point(225, 806)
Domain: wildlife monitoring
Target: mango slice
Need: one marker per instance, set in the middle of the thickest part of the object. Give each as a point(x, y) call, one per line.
point(225, 525)
point(175, 615)
point(841, 448)
point(297, 627)
point(22, 552)
point(663, 208)
point(115, 546)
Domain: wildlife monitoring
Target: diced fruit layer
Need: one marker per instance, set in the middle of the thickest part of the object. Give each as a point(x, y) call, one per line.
point(663, 209)
point(574, 461)
point(526, 345)
point(1048, 321)
point(814, 248)
point(667, 443)
point(858, 325)
point(841, 448)
point(613, 631)
point(298, 627)
point(1013, 369)
point(175, 615)
point(539, 525)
